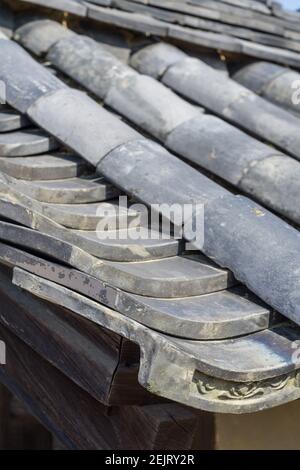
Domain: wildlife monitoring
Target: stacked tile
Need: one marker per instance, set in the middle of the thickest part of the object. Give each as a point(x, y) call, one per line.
point(55, 195)
point(146, 103)
point(214, 25)
point(153, 175)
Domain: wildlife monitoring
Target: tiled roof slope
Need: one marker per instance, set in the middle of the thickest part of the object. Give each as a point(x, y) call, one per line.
point(220, 347)
point(258, 30)
point(55, 111)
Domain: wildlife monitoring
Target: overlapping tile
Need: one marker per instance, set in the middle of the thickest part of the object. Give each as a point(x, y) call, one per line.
point(190, 277)
point(221, 314)
point(240, 375)
point(39, 35)
point(16, 206)
point(207, 374)
point(26, 142)
point(11, 120)
point(56, 165)
point(163, 114)
point(140, 154)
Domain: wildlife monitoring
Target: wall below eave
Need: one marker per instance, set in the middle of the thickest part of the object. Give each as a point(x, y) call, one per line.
point(273, 429)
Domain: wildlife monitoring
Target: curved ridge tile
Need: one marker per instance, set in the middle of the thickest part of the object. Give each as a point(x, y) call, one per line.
point(276, 83)
point(154, 61)
point(93, 136)
point(150, 105)
point(204, 140)
point(238, 233)
point(86, 61)
point(275, 181)
point(134, 243)
point(23, 89)
point(200, 83)
point(147, 170)
point(179, 276)
point(261, 250)
point(39, 35)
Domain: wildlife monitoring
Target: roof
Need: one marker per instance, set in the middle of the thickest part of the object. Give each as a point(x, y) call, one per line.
point(168, 125)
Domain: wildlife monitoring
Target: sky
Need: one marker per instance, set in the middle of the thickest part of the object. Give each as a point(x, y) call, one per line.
point(290, 4)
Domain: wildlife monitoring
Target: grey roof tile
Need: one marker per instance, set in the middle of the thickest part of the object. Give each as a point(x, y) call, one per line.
point(22, 90)
point(274, 82)
point(39, 35)
point(26, 142)
point(11, 120)
point(45, 167)
point(264, 357)
point(58, 112)
point(205, 316)
point(239, 234)
point(86, 61)
point(70, 191)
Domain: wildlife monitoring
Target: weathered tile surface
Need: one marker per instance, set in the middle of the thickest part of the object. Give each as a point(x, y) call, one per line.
point(155, 59)
point(22, 90)
point(43, 167)
point(11, 120)
point(20, 208)
point(147, 170)
point(88, 62)
point(217, 315)
point(193, 276)
point(134, 244)
point(181, 276)
point(274, 82)
point(149, 104)
point(93, 136)
point(25, 142)
point(199, 82)
point(70, 191)
point(218, 147)
point(70, 6)
point(275, 181)
point(39, 35)
point(261, 250)
point(88, 216)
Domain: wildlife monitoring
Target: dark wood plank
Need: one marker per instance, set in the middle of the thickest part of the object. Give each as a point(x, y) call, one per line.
point(78, 420)
point(88, 355)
